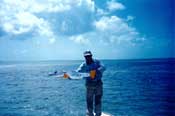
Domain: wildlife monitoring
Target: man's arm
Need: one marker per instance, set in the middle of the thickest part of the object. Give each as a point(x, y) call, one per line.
point(81, 68)
point(101, 68)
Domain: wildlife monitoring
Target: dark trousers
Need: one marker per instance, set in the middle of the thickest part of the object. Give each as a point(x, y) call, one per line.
point(94, 93)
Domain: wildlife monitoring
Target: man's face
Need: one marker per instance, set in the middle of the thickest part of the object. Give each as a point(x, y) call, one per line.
point(88, 58)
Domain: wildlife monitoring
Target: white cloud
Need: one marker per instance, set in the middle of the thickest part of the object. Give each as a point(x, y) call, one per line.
point(113, 24)
point(25, 22)
point(36, 6)
point(113, 5)
point(52, 40)
point(8, 27)
point(130, 18)
point(90, 4)
point(106, 23)
point(101, 12)
point(80, 39)
point(110, 30)
point(50, 18)
point(19, 16)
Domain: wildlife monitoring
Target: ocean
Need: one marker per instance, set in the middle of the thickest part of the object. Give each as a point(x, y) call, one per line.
point(143, 87)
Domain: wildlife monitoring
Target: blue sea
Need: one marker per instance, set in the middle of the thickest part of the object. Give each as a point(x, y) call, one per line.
point(143, 87)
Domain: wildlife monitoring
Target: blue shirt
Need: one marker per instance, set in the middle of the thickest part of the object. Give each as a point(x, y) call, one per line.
point(96, 65)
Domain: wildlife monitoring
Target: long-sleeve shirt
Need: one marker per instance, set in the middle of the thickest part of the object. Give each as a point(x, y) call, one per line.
point(96, 65)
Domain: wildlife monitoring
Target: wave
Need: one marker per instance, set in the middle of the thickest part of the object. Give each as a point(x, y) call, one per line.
point(8, 66)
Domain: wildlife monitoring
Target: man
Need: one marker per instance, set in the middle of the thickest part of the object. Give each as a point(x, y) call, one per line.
point(94, 85)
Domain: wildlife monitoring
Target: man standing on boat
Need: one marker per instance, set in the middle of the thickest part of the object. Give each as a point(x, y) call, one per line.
point(94, 84)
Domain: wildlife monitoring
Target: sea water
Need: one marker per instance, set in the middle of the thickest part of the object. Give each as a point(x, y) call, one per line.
point(130, 88)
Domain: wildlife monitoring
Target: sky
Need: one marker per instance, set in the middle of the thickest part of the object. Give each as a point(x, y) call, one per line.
point(64, 29)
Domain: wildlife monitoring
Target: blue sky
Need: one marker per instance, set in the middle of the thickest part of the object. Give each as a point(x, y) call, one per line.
point(63, 29)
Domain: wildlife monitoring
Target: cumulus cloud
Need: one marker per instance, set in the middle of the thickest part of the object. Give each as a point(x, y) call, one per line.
point(20, 17)
point(36, 6)
point(130, 18)
point(80, 39)
point(21, 23)
point(113, 5)
point(110, 30)
point(80, 20)
point(101, 12)
point(112, 24)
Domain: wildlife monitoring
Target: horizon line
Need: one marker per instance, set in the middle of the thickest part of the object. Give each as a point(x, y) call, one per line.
point(42, 60)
